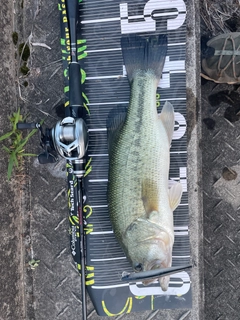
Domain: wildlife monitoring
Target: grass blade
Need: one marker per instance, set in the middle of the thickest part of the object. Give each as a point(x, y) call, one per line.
point(31, 133)
point(12, 160)
point(6, 149)
point(21, 145)
point(16, 119)
point(25, 140)
point(28, 154)
point(16, 151)
point(5, 136)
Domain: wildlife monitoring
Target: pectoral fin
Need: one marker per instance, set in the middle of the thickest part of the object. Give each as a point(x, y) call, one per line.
point(175, 195)
point(167, 118)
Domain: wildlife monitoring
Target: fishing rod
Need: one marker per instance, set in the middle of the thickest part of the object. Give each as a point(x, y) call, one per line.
point(69, 139)
point(75, 110)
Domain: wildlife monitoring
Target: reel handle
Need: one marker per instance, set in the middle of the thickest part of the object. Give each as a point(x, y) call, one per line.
point(25, 125)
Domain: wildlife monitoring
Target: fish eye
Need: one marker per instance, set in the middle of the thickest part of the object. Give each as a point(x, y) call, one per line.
point(138, 267)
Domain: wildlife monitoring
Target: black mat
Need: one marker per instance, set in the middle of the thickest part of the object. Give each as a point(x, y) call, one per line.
point(107, 89)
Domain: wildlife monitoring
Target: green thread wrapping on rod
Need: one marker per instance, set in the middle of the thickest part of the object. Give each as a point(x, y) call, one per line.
point(81, 48)
point(83, 78)
point(83, 55)
point(81, 41)
point(85, 97)
point(86, 107)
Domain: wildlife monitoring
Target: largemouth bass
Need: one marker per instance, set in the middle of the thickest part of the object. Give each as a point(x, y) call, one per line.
point(140, 203)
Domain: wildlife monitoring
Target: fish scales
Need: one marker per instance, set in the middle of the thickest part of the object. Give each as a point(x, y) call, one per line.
point(137, 155)
point(140, 203)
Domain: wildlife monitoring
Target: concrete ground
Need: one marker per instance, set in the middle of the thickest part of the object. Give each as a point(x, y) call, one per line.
point(33, 221)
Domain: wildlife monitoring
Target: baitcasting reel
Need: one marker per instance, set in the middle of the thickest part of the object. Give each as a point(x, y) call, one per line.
point(69, 139)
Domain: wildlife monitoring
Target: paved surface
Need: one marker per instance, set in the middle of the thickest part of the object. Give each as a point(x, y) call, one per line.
point(221, 171)
point(33, 223)
point(220, 151)
point(11, 219)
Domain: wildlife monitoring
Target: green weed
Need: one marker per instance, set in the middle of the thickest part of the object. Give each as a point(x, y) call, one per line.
point(16, 150)
point(34, 264)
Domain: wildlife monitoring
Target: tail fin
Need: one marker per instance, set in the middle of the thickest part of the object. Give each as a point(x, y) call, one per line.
point(144, 54)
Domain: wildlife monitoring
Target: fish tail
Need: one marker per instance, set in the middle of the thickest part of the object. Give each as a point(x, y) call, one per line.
point(144, 54)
